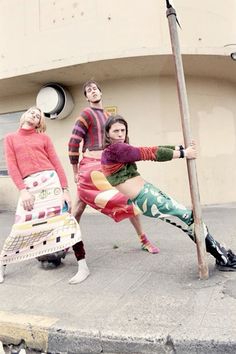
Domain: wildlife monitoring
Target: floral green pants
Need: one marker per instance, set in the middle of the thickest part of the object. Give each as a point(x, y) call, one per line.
point(154, 203)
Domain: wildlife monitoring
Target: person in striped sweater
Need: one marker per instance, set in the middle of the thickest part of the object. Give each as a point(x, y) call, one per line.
point(119, 167)
point(85, 149)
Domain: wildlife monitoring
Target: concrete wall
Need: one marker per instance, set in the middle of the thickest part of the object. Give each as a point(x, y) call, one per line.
point(38, 35)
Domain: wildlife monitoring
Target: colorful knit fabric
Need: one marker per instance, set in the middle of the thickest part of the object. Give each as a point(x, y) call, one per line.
point(118, 160)
point(147, 245)
point(29, 152)
point(89, 130)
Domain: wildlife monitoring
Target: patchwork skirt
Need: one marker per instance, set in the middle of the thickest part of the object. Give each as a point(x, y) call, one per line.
point(46, 229)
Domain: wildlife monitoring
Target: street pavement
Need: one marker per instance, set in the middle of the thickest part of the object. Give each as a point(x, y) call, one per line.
point(133, 302)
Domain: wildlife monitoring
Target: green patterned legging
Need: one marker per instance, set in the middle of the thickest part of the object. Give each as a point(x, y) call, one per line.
point(154, 203)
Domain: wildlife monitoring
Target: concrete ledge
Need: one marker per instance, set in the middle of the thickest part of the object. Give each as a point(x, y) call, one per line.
point(55, 340)
point(32, 329)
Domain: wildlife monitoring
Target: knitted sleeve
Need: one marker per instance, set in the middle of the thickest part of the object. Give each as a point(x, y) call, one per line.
point(172, 147)
point(12, 164)
point(125, 153)
point(52, 155)
point(78, 134)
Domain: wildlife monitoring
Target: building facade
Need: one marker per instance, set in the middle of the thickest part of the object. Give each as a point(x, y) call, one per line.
point(125, 46)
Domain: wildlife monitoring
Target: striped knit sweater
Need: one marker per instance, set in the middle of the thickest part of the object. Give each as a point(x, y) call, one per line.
point(118, 160)
point(88, 132)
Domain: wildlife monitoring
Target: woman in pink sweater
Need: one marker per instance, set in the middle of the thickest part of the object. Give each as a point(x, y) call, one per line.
point(43, 224)
point(28, 152)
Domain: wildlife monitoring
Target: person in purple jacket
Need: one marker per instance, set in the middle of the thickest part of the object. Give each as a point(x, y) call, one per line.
point(118, 165)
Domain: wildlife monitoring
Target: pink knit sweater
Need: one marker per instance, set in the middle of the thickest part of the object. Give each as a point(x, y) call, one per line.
point(28, 152)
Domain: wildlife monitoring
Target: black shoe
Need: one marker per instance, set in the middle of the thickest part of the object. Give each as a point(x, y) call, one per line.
point(56, 262)
point(53, 259)
point(230, 266)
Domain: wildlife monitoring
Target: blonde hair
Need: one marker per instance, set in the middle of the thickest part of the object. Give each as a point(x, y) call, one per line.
point(42, 123)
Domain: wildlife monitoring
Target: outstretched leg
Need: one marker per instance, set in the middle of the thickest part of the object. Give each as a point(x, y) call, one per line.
point(154, 203)
point(145, 243)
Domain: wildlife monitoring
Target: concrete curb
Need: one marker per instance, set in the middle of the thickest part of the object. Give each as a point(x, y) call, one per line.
point(76, 342)
point(57, 340)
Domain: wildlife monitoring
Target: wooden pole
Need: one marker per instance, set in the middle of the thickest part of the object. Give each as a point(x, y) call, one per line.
point(191, 164)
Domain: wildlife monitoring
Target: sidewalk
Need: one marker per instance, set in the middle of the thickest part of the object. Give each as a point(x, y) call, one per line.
point(133, 302)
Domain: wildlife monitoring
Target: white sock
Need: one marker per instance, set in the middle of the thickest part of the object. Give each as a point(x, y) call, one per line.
point(2, 273)
point(22, 351)
point(82, 274)
point(2, 351)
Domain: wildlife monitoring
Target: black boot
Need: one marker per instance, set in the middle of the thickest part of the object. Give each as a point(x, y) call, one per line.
point(230, 266)
point(225, 259)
